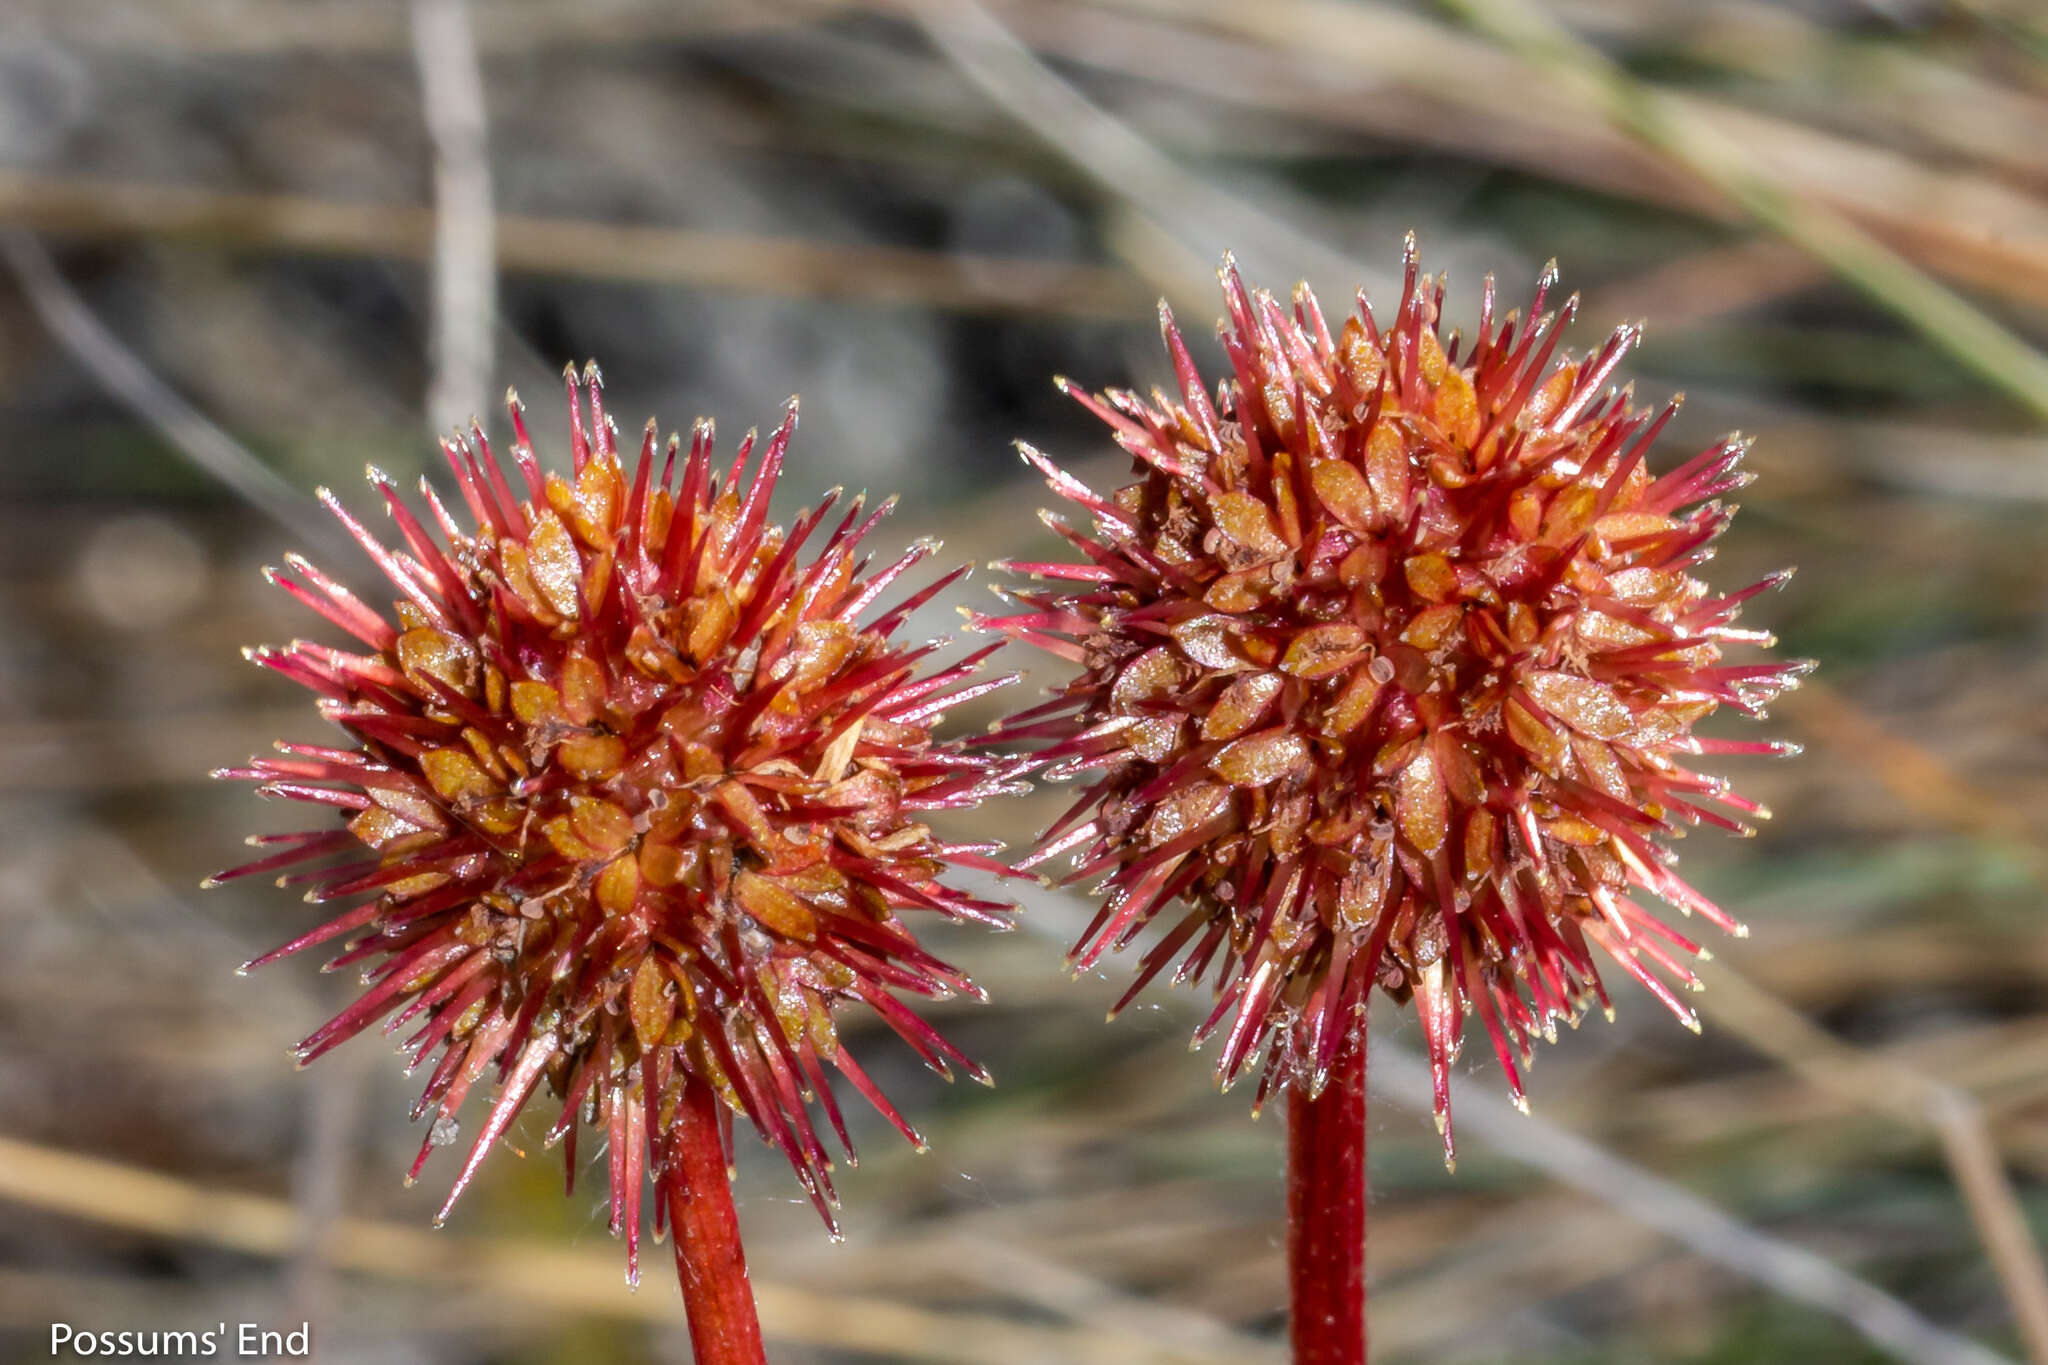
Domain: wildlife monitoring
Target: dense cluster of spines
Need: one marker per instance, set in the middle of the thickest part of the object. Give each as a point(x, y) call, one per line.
point(1386, 662)
point(633, 792)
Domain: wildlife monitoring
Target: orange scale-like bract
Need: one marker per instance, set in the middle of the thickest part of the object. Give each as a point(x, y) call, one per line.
point(633, 794)
point(1387, 665)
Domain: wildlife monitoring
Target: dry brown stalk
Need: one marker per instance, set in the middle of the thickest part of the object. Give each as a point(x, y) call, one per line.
point(63, 206)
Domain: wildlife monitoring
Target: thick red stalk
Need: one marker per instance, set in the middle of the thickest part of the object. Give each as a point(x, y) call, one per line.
point(1326, 1194)
point(712, 1264)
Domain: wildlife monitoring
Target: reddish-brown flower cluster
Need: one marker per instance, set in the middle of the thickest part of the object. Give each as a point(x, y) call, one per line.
point(1387, 662)
point(633, 795)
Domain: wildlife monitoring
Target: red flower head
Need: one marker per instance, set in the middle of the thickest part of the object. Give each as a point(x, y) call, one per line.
point(1388, 662)
point(632, 797)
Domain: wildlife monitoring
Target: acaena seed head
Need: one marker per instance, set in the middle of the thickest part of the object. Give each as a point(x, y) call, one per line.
point(632, 789)
point(1388, 668)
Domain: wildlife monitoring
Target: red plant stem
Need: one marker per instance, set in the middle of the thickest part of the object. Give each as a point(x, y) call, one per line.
point(1326, 1193)
point(712, 1265)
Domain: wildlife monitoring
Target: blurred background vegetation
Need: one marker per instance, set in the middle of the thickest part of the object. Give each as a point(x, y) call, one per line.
point(255, 244)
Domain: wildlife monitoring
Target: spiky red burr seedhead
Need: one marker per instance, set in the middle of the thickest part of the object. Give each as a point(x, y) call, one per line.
point(632, 791)
point(1387, 663)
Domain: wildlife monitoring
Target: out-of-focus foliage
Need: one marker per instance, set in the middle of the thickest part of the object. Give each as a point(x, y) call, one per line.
point(724, 201)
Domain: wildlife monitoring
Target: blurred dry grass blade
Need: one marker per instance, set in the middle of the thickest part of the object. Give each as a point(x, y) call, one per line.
point(587, 1282)
point(333, 1124)
point(268, 28)
point(1788, 1038)
point(1011, 1269)
point(1176, 203)
point(2019, 20)
point(1945, 462)
point(1396, 76)
point(577, 248)
point(1933, 101)
point(135, 387)
point(1919, 777)
point(465, 267)
point(1704, 285)
point(1576, 1247)
point(1726, 1241)
point(1982, 345)
point(1915, 774)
